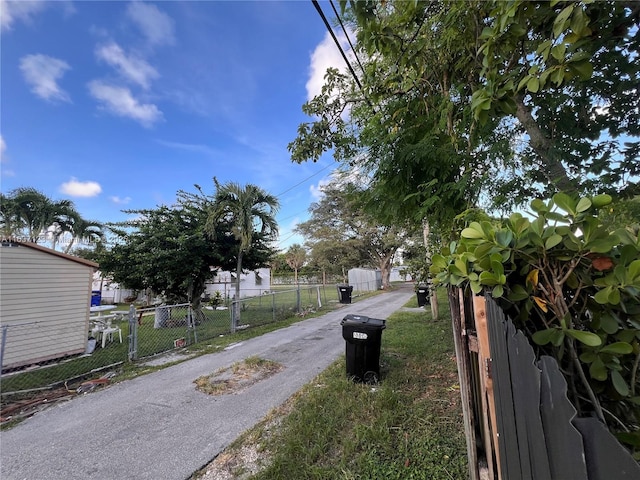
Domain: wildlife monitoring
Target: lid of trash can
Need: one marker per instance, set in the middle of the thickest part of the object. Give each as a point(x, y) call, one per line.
point(363, 321)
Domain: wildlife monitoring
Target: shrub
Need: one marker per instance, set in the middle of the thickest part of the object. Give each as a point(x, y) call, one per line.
point(573, 286)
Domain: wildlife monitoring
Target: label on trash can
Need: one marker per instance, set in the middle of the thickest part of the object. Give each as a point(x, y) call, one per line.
point(360, 335)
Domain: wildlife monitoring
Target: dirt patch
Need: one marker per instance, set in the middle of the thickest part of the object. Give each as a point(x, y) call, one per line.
point(238, 376)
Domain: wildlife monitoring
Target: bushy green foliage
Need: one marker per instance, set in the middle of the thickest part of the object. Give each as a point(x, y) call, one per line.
point(573, 285)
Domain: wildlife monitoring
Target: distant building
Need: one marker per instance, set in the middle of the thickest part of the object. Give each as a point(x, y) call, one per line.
point(252, 284)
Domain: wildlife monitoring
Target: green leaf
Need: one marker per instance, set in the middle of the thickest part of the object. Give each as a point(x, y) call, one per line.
point(597, 370)
point(561, 19)
point(533, 85)
point(565, 202)
point(619, 384)
point(438, 261)
point(488, 279)
point(634, 270)
point(518, 293)
point(583, 205)
point(474, 230)
point(601, 245)
point(552, 241)
point(542, 337)
point(462, 266)
point(497, 292)
point(617, 348)
point(588, 338)
point(602, 296)
point(584, 69)
point(600, 201)
point(539, 206)
point(614, 296)
point(609, 324)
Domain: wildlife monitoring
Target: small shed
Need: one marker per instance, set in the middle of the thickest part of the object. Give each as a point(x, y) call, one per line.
point(44, 303)
point(365, 279)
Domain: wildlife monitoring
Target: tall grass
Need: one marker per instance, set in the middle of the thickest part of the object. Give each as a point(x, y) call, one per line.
point(407, 427)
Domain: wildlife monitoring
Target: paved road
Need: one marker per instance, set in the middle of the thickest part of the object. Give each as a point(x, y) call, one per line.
point(158, 426)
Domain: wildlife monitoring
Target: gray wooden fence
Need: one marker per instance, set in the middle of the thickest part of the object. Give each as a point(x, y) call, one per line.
point(518, 420)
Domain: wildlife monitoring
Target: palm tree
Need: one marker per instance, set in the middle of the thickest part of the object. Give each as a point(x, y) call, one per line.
point(296, 256)
point(80, 228)
point(29, 212)
point(246, 209)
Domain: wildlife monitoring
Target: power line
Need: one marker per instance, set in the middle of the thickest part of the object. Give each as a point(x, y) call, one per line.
point(302, 181)
point(344, 30)
point(344, 55)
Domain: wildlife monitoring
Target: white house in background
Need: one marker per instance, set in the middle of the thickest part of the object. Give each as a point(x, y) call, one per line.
point(400, 274)
point(44, 303)
point(252, 284)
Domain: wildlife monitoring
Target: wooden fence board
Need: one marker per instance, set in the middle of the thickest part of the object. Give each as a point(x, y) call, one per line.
point(564, 442)
point(526, 386)
point(506, 421)
point(456, 304)
point(606, 458)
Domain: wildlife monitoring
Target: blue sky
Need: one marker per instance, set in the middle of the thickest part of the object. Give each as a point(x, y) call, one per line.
point(117, 105)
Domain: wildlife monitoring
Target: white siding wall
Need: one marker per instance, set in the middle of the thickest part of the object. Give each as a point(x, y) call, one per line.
point(44, 302)
point(250, 284)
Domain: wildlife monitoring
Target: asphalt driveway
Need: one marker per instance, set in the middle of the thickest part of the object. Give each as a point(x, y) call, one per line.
point(158, 426)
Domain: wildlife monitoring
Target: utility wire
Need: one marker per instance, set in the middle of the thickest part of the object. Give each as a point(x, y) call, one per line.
point(302, 181)
point(344, 55)
point(344, 30)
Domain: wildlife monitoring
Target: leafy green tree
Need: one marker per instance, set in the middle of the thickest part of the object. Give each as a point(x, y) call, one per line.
point(170, 251)
point(246, 209)
point(341, 229)
point(484, 101)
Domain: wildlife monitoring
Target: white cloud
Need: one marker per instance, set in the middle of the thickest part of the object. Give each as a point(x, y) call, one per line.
point(316, 191)
point(120, 201)
point(11, 12)
point(132, 68)
point(76, 188)
point(42, 73)
point(156, 25)
point(3, 147)
point(120, 102)
point(189, 147)
point(324, 56)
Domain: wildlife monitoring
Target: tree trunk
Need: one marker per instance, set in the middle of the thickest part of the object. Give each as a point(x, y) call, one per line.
point(554, 171)
point(385, 270)
point(426, 231)
point(236, 310)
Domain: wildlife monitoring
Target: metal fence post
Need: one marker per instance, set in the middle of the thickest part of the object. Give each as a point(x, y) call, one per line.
point(133, 334)
point(234, 305)
point(273, 306)
point(298, 306)
point(319, 298)
point(5, 329)
point(191, 325)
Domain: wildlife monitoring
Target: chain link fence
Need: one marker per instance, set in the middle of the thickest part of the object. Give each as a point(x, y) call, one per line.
point(121, 336)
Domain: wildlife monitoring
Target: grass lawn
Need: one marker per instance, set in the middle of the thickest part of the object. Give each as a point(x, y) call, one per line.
point(407, 427)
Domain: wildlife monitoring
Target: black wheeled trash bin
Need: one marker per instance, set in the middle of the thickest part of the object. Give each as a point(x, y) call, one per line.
point(363, 337)
point(344, 293)
point(423, 295)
